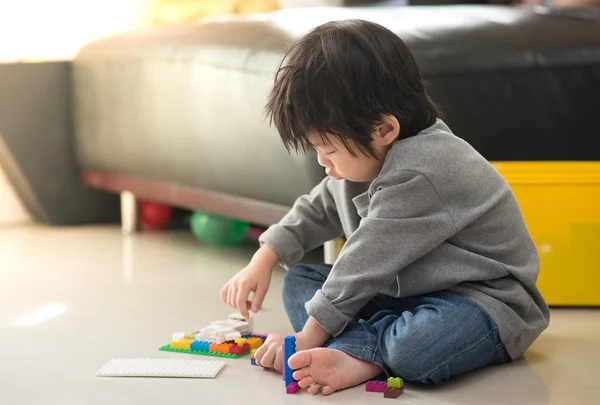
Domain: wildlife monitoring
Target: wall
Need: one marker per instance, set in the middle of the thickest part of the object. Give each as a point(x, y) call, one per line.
point(175, 11)
point(56, 29)
point(33, 30)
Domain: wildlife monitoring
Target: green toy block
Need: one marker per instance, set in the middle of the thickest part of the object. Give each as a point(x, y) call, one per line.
point(168, 348)
point(395, 382)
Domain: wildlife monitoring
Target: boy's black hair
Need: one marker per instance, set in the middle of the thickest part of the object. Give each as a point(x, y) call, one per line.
point(340, 79)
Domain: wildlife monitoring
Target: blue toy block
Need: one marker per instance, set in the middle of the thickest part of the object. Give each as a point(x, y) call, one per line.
point(200, 346)
point(289, 348)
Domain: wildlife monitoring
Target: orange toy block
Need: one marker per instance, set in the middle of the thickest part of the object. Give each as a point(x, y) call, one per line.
point(181, 344)
point(255, 343)
point(239, 350)
point(220, 348)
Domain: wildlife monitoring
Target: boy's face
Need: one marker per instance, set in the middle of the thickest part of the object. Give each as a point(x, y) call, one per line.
point(340, 164)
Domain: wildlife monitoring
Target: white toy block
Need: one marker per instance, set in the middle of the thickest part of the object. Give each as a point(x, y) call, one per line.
point(233, 335)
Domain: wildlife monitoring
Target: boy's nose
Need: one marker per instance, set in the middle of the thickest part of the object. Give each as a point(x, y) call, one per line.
point(323, 161)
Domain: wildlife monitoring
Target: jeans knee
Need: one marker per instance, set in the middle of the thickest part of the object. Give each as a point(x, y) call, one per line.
point(293, 283)
point(291, 279)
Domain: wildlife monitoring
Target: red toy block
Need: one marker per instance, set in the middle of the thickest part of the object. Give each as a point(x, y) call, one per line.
point(292, 388)
point(235, 349)
point(393, 392)
point(376, 386)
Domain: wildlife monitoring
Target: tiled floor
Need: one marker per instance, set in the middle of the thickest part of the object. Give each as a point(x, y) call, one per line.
point(71, 299)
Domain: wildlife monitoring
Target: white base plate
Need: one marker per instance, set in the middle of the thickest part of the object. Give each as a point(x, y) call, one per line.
point(161, 368)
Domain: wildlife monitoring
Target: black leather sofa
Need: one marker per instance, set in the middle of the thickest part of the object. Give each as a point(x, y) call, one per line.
point(175, 114)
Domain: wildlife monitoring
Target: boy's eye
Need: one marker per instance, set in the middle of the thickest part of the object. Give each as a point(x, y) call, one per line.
point(330, 153)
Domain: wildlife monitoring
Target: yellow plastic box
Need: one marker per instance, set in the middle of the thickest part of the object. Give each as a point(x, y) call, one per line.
point(561, 206)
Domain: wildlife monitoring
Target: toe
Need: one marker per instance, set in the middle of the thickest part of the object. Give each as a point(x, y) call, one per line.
point(314, 389)
point(300, 374)
point(327, 390)
point(300, 360)
point(305, 382)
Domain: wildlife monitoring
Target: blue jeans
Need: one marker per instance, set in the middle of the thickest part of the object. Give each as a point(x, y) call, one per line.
point(425, 339)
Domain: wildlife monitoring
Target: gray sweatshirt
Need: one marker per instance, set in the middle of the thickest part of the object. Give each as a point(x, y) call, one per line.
point(438, 217)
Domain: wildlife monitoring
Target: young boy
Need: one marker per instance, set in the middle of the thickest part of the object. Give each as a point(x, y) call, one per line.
point(438, 273)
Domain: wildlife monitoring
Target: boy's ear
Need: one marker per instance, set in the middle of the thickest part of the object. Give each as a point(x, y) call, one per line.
point(387, 130)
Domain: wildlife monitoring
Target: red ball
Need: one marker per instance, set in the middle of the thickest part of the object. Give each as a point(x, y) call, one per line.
point(154, 215)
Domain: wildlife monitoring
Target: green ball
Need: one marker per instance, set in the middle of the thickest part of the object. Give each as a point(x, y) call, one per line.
point(218, 230)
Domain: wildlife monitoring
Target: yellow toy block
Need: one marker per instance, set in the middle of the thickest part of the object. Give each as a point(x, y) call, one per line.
point(240, 342)
point(254, 342)
point(181, 344)
point(252, 352)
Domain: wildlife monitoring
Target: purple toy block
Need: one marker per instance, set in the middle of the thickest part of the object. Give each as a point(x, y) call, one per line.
point(292, 388)
point(262, 336)
point(253, 362)
point(376, 386)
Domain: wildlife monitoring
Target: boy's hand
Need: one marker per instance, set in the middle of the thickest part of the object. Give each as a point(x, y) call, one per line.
point(269, 354)
point(236, 291)
point(255, 277)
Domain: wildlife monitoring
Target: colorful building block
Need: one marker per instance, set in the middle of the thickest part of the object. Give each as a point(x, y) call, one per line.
point(168, 348)
point(289, 348)
point(252, 353)
point(376, 386)
point(253, 362)
point(200, 346)
point(391, 392)
point(232, 336)
point(199, 343)
point(262, 336)
point(235, 349)
point(292, 388)
point(220, 347)
point(255, 342)
point(182, 344)
point(240, 341)
point(395, 382)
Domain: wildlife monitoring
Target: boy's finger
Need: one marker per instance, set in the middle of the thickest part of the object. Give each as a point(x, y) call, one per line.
point(224, 292)
point(231, 295)
point(259, 354)
point(259, 296)
point(268, 357)
point(242, 297)
point(278, 363)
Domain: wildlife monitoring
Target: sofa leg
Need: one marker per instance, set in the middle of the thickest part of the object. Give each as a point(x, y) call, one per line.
point(332, 251)
point(129, 214)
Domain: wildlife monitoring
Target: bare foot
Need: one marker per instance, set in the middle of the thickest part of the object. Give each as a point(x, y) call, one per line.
point(330, 369)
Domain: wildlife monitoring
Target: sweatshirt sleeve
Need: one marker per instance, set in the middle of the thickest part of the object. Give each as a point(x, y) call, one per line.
point(405, 221)
point(312, 221)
